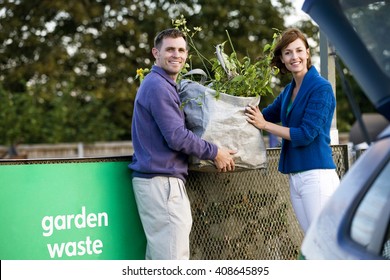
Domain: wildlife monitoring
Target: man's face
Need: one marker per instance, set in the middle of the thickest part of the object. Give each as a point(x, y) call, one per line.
point(171, 56)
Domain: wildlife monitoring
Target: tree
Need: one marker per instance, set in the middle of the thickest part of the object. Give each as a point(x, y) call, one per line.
point(70, 65)
point(344, 109)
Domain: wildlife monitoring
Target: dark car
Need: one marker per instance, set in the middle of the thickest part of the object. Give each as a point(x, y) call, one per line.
point(355, 224)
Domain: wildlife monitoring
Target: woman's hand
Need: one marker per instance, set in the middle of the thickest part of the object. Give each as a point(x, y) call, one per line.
point(255, 117)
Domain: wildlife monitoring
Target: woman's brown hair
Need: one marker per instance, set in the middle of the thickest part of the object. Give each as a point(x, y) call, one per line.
point(286, 38)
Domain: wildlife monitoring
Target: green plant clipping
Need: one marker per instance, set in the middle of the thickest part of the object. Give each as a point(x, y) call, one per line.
point(244, 77)
point(229, 74)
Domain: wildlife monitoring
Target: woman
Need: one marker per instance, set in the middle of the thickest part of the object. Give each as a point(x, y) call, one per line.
point(305, 109)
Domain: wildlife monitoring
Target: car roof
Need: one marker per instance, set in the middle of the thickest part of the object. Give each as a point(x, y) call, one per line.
point(353, 45)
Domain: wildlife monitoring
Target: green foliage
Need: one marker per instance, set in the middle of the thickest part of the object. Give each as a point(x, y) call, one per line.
point(243, 78)
point(344, 110)
point(69, 58)
point(229, 74)
point(77, 119)
point(65, 118)
point(20, 118)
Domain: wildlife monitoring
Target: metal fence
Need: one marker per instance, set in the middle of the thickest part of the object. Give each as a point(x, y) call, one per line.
point(247, 215)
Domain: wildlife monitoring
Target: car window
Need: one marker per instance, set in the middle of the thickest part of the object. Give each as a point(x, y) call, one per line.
point(370, 224)
point(386, 245)
point(370, 20)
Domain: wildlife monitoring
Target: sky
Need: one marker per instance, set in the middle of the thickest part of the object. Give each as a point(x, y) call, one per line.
point(299, 14)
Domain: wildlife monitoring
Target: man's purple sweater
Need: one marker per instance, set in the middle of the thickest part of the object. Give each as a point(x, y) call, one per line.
point(161, 142)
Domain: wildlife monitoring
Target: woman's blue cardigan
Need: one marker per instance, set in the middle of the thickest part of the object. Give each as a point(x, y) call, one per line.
point(309, 119)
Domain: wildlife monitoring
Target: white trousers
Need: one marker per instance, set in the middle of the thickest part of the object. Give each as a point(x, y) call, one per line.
point(165, 213)
point(309, 192)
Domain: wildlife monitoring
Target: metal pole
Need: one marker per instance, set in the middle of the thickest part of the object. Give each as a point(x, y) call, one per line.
point(80, 150)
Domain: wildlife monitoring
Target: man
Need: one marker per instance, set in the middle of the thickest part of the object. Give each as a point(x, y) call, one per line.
point(162, 145)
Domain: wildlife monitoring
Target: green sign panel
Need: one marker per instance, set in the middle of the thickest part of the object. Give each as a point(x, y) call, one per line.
point(76, 209)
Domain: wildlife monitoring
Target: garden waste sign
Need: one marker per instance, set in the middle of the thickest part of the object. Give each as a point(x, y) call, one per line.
point(69, 209)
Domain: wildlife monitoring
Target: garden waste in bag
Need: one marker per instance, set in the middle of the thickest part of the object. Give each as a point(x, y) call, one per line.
point(220, 119)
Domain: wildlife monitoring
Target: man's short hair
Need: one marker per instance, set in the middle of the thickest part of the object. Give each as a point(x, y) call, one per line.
point(168, 33)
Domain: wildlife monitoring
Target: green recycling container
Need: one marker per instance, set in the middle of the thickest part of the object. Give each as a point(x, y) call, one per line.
point(76, 209)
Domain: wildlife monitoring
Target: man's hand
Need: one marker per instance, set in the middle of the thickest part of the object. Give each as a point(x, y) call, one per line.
point(224, 160)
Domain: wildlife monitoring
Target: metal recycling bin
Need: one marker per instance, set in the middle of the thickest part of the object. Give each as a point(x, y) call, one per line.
point(69, 209)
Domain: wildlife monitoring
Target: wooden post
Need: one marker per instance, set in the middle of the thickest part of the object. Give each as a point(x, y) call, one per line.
point(328, 71)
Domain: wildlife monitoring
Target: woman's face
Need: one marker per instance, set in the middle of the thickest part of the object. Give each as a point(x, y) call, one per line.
point(295, 56)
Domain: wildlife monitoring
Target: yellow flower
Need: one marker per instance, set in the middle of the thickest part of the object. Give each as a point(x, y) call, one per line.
point(140, 73)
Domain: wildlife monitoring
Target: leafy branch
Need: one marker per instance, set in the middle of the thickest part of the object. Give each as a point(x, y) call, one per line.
point(229, 74)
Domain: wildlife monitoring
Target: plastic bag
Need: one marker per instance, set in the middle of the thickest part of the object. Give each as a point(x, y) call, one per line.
point(222, 121)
